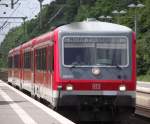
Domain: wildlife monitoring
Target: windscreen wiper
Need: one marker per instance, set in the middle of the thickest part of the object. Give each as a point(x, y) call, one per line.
point(118, 67)
point(73, 66)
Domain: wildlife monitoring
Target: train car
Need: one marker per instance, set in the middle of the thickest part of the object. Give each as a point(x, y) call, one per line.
point(26, 66)
point(10, 66)
point(44, 68)
point(89, 65)
point(14, 71)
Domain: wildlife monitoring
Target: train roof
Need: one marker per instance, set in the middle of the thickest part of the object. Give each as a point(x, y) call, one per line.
point(27, 44)
point(44, 37)
point(85, 26)
point(32, 42)
point(94, 26)
point(11, 51)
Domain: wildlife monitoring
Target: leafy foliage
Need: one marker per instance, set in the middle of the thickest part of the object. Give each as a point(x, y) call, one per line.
point(61, 12)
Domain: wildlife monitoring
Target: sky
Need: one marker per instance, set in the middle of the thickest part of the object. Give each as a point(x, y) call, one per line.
point(24, 8)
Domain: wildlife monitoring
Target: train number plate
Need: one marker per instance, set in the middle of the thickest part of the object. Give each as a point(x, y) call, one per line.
point(96, 86)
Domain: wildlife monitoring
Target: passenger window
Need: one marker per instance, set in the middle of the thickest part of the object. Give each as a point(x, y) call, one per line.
point(38, 59)
point(50, 59)
point(27, 60)
point(41, 59)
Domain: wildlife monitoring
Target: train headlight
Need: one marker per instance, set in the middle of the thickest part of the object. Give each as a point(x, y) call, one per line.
point(69, 87)
point(96, 71)
point(122, 88)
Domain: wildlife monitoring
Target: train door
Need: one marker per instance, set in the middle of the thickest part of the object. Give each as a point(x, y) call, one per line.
point(17, 69)
point(32, 72)
point(50, 71)
point(9, 68)
point(40, 72)
point(44, 85)
point(21, 70)
point(37, 70)
point(12, 68)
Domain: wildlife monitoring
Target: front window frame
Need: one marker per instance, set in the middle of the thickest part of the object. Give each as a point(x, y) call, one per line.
point(127, 40)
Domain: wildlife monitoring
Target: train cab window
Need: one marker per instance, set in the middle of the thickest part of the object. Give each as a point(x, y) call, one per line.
point(27, 60)
point(112, 51)
point(100, 51)
point(41, 59)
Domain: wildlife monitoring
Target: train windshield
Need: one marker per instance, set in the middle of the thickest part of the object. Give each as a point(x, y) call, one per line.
point(95, 51)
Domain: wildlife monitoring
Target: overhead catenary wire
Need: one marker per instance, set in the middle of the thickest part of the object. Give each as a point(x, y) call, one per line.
point(1, 28)
point(10, 16)
point(7, 24)
point(53, 17)
point(27, 8)
point(31, 8)
point(12, 21)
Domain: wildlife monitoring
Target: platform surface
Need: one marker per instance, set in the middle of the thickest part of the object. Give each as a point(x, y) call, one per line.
point(18, 108)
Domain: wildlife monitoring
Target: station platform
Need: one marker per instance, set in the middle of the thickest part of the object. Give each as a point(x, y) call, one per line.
point(18, 108)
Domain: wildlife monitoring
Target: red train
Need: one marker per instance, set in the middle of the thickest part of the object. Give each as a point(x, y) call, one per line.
point(88, 65)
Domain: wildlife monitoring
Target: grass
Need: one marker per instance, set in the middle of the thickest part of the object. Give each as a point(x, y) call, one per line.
point(144, 78)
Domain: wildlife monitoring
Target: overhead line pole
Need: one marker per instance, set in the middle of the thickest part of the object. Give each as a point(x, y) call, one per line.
point(40, 1)
point(12, 4)
point(135, 7)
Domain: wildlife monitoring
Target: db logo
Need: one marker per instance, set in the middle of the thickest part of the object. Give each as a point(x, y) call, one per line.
point(96, 86)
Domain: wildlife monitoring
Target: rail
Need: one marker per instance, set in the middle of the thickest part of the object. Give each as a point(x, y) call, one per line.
point(143, 99)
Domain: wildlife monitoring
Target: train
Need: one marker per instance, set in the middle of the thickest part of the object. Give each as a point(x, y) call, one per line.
point(89, 66)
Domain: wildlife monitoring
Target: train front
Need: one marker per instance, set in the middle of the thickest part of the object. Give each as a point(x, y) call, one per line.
point(97, 70)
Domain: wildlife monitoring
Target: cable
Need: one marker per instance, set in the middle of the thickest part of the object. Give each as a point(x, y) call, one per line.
point(16, 2)
point(2, 27)
point(6, 25)
point(15, 10)
point(52, 18)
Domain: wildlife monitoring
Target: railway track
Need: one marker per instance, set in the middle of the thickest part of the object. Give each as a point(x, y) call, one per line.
point(143, 102)
point(143, 111)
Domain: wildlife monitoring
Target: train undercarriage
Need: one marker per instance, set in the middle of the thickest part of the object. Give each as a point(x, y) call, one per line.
point(97, 108)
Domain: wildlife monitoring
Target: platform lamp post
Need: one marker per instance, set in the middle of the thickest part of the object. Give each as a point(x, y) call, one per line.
point(40, 1)
point(118, 13)
point(105, 18)
point(135, 7)
point(25, 28)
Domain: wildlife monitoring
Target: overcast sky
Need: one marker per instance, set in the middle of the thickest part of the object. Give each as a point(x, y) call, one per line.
point(28, 8)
